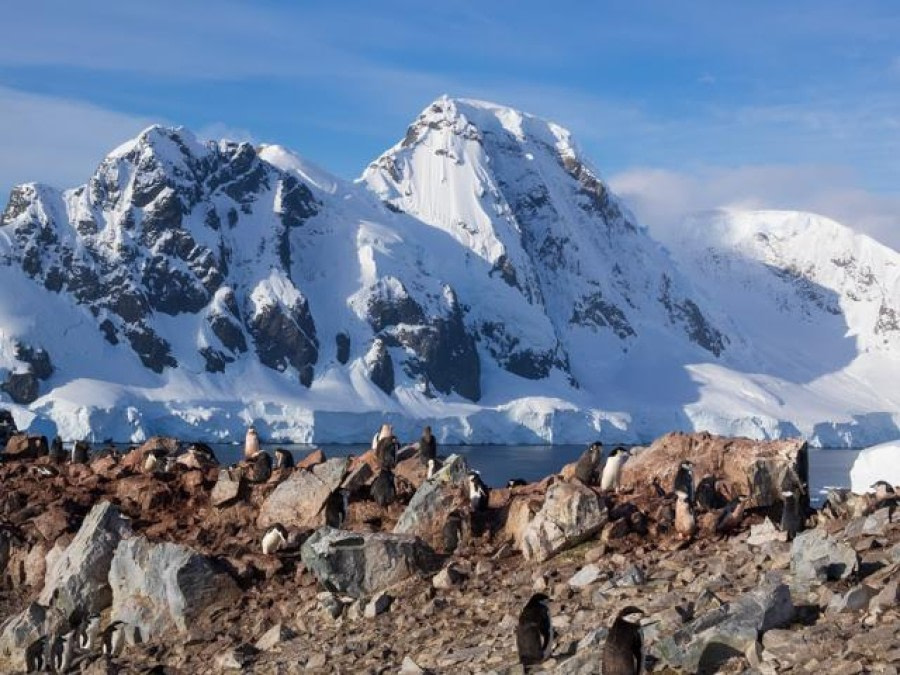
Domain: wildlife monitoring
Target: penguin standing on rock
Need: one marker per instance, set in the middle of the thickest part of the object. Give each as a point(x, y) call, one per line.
point(251, 443)
point(274, 539)
point(434, 465)
point(534, 632)
point(428, 444)
point(386, 452)
point(685, 521)
point(80, 452)
point(113, 639)
point(336, 509)
point(586, 466)
point(383, 489)
point(89, 634)
point(609, 480)
point(623, 651)
point(57, 451)
point(478, 493)
point(36, 656)
point(61, 652)
point(732, 515)
point(283, 459)
point(791, 520)
point(684, 480)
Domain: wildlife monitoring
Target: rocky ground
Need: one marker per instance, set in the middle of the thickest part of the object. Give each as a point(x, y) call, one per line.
point(176, 555)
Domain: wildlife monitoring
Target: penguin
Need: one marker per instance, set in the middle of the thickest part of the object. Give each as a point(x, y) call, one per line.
point(336, 509)
point(516, 482)
point(685, 522)
point(587, 464)
point(57, 451)
point(36, 656)
point(434, 465)
point(534, 632)
point(707, 494)
point(90, 631)
point(383, 490)
point(80, 452)
point(428, 444)
point(61, 652)
point(260, 467)
point(452, 531)
point(609, 480)
point(274, 539)
point(684, 480)
point(151, 463)
point(791, 520)
point(113, 638)
point(478, 493)
point(884, 491)
point(386, 452)
point(283, 459)
point(657, 487)
point(623, 652)
point(732, 515)
point(251, 444)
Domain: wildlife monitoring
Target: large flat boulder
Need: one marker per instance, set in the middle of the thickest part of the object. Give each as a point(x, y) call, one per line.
point(434, 500)
point(161, 588)
point(571, 514)
point(817, 556)
point(361, 564)
point(77, 579)
point(762, 468)
point(298, 501)
point(727, 631)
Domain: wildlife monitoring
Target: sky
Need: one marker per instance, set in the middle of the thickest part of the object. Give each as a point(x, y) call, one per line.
point(680, 106)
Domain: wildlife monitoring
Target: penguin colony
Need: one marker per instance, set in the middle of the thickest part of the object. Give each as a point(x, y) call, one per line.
point(622, 651)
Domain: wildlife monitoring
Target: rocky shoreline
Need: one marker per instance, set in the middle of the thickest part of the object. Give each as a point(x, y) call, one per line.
point(173, 552)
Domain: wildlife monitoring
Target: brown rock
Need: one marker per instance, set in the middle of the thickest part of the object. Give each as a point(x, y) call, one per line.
point(158, 445)
point(23, 446)
point(105, 465)
point(313, 458)
point(764, 468)
point(52, 523)
point(521, 512)
point(411, 470)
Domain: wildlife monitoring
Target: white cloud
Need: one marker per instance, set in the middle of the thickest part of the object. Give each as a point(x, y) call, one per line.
point(661, 198)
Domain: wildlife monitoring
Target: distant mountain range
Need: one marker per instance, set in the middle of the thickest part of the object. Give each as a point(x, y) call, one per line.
point(479, 277)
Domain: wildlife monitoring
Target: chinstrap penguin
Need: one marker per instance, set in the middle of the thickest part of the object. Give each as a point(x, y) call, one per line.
point(609, 480)
point(791, 519)
point(534, 632)
point(260, 467)
point(478, 493)
point(57, 451)
point(80, 452)
point(428, 444)
point(684, 480)
point(383, 489)
point(685, 521)
point(283, 459)
point(587, 465)
point(251, 443)
point(61, 652)
point(113, 639)
point(36, 656)
point(89, 634)
point(623, 651)
point(336, 508)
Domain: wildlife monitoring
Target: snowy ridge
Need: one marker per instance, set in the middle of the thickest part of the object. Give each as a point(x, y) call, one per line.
point(479, 277)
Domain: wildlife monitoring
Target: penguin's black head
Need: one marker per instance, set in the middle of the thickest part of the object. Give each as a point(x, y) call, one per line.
point(596, 445)
point(884, 485)
point(538, 599)
point(630, 614)
point(279, 528)
point(688, 465)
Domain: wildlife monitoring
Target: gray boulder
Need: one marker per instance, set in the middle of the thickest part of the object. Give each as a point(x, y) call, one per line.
point(427, 512)
point(571, 514)
point(727, 631)
point(158, 588)
point(16, 633)
point(816, 556)
point(77, 580)
point(361, 564)
point(298, 501)
point(227, 488)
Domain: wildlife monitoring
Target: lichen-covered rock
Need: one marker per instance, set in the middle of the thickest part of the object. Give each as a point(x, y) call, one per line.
point(435, 499)
point(298, 501)
point(362, 564)
point(761, 468)
point(159, 588)
point(17, 633)
point(816, 556)
point(78, 580)
point(571, 514)
point(728, 631)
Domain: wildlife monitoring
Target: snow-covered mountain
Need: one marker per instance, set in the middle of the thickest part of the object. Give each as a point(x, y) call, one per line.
point(479, 277)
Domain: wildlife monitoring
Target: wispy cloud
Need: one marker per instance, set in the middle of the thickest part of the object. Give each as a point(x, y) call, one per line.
point(662, 198)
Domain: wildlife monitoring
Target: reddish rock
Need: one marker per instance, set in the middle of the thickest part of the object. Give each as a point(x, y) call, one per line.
point(105, 465)
point(192, 481)
point(312, 459)
point(411, 470)
point(368, 457)
point(764, 468)
point(158, 445)
point(52, 523)
point(23, 446)
point(359, 477)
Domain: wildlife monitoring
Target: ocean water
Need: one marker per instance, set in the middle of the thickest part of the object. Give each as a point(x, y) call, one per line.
point(828, 467)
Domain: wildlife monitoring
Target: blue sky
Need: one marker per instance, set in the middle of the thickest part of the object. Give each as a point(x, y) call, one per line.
point(681, 106)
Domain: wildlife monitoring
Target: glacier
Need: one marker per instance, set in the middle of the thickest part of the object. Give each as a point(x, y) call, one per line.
point(479, 277)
